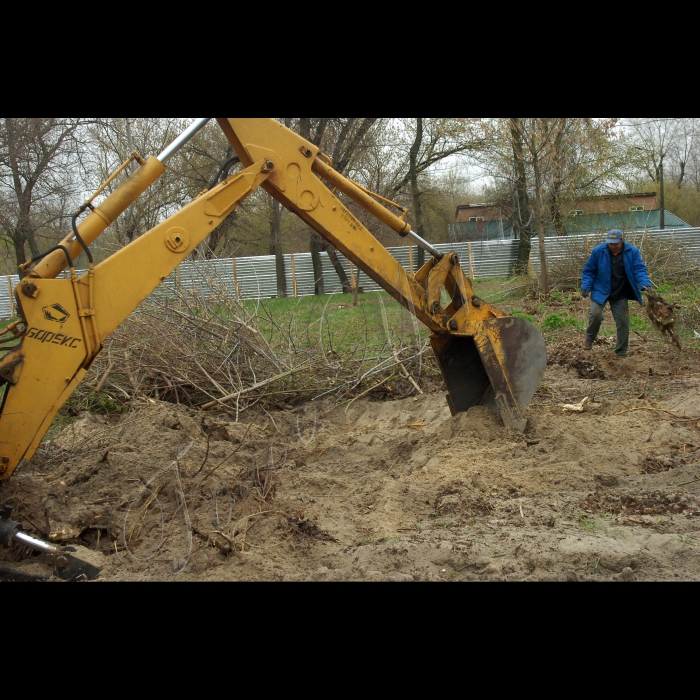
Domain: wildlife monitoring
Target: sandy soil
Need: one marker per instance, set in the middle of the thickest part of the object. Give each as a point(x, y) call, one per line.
point(389, 490)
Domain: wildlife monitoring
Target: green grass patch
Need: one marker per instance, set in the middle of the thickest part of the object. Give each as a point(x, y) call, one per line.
point(95, 402)
point(690, 294)
point(377, 320)
point(335, 322)
point(520, 314)
point(553, 322)
point(637, 323)
point(561, 298)
point(589, 524)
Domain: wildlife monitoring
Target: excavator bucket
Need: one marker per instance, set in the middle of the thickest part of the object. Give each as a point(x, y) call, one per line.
point(499, 366)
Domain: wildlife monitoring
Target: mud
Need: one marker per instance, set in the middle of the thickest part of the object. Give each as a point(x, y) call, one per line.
point(388, 489)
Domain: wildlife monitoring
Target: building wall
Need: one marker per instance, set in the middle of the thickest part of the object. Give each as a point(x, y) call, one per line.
point(488, 212)
point(600, 205)
point(615, 204)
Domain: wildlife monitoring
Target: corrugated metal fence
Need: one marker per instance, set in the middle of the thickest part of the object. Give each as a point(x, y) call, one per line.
point(255, 278)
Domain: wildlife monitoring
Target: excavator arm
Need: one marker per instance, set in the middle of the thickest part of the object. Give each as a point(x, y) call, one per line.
point(486, 357)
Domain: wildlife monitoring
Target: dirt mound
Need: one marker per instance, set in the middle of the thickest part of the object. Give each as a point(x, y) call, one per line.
point(571, 354)
point(394, 490)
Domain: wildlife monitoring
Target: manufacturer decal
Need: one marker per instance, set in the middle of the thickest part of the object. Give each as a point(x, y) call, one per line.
point(53, 338)
point(55, 313)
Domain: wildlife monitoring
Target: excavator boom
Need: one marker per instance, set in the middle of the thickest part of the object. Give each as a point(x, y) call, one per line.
point(485, 356)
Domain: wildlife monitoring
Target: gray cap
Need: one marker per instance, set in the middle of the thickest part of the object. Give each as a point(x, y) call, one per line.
point(615, 236)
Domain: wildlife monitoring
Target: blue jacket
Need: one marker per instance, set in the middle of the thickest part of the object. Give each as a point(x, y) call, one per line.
point(597, 274)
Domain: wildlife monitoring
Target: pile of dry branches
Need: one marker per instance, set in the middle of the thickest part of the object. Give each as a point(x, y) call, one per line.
point(211, 351)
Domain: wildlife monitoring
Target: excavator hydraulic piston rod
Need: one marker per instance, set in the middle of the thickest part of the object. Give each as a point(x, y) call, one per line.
point(421, 242)
point(183, 138)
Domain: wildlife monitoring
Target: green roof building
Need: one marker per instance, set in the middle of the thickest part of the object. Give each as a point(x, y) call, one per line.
point(631, 213)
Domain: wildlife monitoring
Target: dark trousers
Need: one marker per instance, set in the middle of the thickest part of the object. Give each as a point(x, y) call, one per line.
point(621, 313)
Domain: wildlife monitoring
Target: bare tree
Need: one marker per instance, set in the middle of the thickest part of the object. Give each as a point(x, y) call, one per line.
point(544, 165)
point(35, 184)
point(413, 169)
point(656, 137)
point(434, 140)
point(523, 215)
point(684, 150)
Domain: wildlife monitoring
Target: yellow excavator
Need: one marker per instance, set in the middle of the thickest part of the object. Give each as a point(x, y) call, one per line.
point(486, 357)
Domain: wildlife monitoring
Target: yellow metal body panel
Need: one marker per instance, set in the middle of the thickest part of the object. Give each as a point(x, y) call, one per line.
point(54, 350)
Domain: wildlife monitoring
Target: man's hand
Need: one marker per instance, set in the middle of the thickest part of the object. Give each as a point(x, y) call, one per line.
point(646, 289)
point(585, 293)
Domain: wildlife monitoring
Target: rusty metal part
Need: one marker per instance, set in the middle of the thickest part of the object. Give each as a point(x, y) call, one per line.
point(29, 289)
point(16, 329)
point(515, 358)
point(68, 567)
point(11, 366)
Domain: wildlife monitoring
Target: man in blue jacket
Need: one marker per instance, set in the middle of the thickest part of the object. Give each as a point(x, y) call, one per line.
point(614, 273)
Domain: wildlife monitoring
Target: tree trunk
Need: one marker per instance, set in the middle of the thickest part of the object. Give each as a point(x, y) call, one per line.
point(415, 190)
point(315, 245)
point(338, 267)
point(681, 175)
point(18, 244)
point(556, 216)
point(523, 215)
point(24, 231)
point(558, 183)
point(31, 242)
point(662, 203)
point(314, 238)
point(214, 239)
point(277, 249)
point(544, 285)
point(129, 216)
